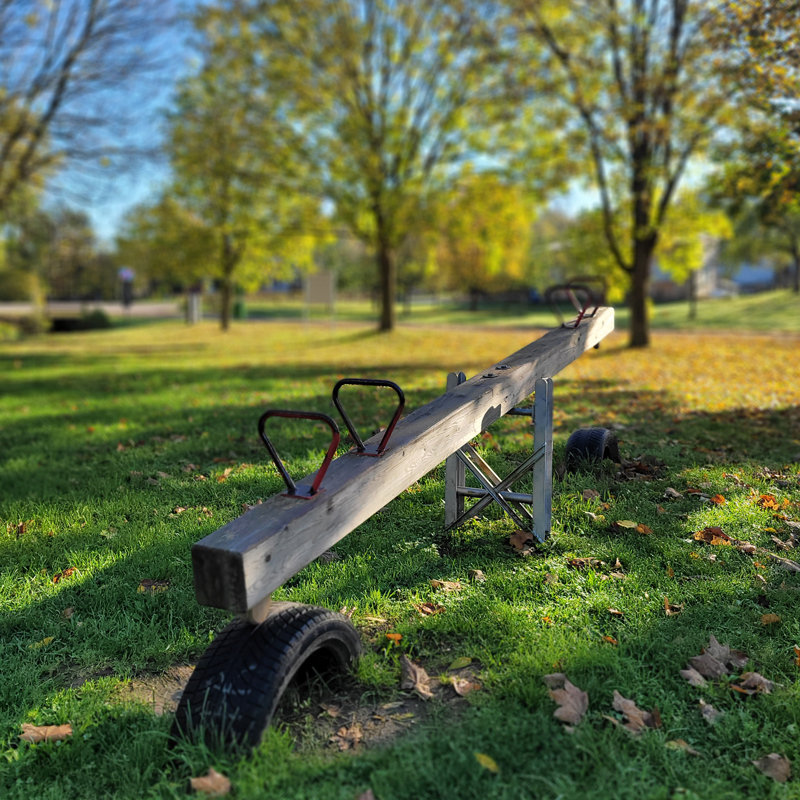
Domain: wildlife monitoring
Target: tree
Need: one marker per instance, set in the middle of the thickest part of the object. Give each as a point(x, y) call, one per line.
point(643, 94)
point(391, 98)
point(484, 235)
point(228, 146)
point(68, 71)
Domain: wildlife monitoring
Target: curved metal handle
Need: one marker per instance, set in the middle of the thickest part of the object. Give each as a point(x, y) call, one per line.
point(573, 288)
point(350, 427)
point(292, 489)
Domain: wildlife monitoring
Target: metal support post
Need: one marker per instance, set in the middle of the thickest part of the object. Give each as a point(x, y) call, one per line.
point(454, 470)
point(543, 467)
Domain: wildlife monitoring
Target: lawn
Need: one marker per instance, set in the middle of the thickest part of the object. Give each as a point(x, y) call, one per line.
point(767, 312)
point(106, 436)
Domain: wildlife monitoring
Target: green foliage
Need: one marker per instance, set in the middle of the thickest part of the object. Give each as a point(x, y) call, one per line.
point(484, 234)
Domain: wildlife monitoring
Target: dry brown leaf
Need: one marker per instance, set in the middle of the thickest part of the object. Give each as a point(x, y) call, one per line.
point(394, 637)
point(753, 682)
point(414, 677)
point(590, 494)
point(68, 612)
point(581, 563)
point(708, 666)
point(477, 576)
point(694, 677)
point(615, 612)
point(522, 542)
point(660, 509)
point(330, 709)
point(448, 586)
point(637, 720)
point(709, 713)
point(61, 576)
point(775, 766)
point(671, 609)
point(718, 499)
point(429, 609)
point(626, 523)
point(713, 535)
point(671, 494)
point(572, 702)
point(770, 619)
point(347, 738)
point(152, 587)
point(45, 733)
point(642, 528)
point(682, 745)
point(463, 686)
point(327, 557)
point(797, 655)
point(610, 640)
point(734, 659)
point(768, 501)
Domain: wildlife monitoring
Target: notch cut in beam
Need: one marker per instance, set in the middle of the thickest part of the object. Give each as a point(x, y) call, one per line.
point(237, 566)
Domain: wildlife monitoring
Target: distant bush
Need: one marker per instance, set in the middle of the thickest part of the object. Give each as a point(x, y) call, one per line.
point(9, 332)
point(93, 321)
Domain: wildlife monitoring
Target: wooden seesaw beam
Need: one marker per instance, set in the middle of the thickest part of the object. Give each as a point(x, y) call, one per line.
point(239, 565)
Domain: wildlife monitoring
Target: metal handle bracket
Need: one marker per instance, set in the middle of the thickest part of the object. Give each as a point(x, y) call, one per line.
point(361, 448)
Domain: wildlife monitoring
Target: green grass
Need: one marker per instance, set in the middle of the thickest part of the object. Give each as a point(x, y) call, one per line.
point(89, 421)
point(776, 311)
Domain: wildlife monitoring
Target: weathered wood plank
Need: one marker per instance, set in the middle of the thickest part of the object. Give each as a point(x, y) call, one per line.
point(240, 564)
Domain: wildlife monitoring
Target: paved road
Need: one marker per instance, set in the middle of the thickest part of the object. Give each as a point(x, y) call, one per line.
point(158, 309)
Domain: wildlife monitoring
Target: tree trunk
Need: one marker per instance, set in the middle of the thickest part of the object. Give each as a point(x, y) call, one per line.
point(225, 301)
point(474, 298)
point(388, 283)
point(640, 285)
point(796, 272)
point(693, 296)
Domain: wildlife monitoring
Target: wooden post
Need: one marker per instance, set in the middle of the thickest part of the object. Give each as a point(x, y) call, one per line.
point(237, 566)
point(454, 470)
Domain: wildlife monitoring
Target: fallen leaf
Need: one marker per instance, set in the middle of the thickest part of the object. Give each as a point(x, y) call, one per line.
point(463, 686)
point(694, 677)
point(327, 557)
point(68, 612)
point(152, 587)
point(448, 586)
point(610, 640)
point(682, 745)
point(755, 683)
point(39, 645)
point(369, 619)
point(487, 762)
point(768, 501)
point(713, 535)
point(590, 494)
point(330, 709)
point(660, 509)
point(547, 620)
point(581, 563)
point(61, 576)
point(708, 666)
point(637, 720)
point(671, 494)
point(550, 578)
point(626, 523)
point(709, 713)
point(460, 663)
point(770, 619)
point(643, 529)
point(615, 612)
point(572, 702)
point(797, 655)
point(670, 572)
point(394, 637)
point(718, 499)
point(734, 659)
point(429, 609)
point(477, 576)
point(45, 733)
point(774, 766)
point(671, 609)
point(412, 676)
point(368, 795)
point(347, 738)
point(522, 541)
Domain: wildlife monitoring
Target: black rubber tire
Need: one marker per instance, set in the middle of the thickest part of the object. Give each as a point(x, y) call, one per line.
point(237, 684)
point(588, 446)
